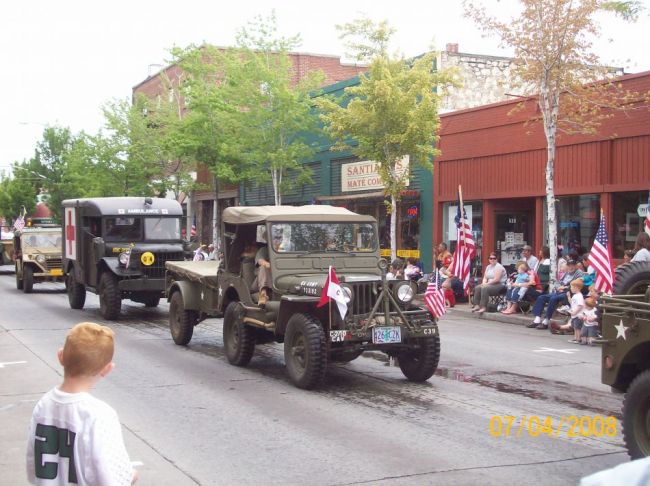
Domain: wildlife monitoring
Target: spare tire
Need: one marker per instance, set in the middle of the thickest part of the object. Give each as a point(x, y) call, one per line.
point(632, 278)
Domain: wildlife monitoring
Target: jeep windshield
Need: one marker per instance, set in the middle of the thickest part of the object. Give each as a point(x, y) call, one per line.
point(42, 241)
point(134, 228)
point(323, 237)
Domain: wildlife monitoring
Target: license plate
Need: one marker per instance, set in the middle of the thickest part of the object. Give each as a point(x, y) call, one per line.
point(57, 272)
point(385, 335)
point(339, 336)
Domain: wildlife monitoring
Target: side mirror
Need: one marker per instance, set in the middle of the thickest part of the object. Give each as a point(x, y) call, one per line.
point(99, 248)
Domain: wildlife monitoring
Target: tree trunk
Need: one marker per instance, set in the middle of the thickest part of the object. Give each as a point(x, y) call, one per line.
point(216, 216)
point(393, 224)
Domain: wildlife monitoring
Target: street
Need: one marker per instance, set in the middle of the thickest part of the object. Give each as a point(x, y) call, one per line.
point(191, 418)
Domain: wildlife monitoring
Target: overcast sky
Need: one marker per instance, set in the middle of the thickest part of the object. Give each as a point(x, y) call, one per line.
point(63, 59)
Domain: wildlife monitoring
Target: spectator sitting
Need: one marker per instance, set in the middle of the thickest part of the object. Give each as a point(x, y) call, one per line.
point(628, 255)
point(589, 322)
point(518, 288)
point(528, 257)
point(494, 280)
point(642, 248)
point(557, 297)
point(444, 257)
point(577, 304)
point(395, 270)
point(412, 271)
point(538, 285)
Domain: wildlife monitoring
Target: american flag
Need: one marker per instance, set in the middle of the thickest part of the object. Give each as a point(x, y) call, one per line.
point(600, 258)
point(19, 224)
point(465, 247)
point(434, 297)
point(647, 216)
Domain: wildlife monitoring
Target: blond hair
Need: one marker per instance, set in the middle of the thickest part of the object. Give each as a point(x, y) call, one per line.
point(578, 283)
point(87, 349)
point(590, 302)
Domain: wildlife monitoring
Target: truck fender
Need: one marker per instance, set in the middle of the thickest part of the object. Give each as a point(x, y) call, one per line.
point(296, 304)
point(190, 291)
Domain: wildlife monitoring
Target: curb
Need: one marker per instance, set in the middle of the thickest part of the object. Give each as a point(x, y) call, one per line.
point(516, 319)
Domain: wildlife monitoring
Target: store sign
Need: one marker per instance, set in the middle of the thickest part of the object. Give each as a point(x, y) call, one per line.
point(385, 252)
point(642, 210)
point(362, 176)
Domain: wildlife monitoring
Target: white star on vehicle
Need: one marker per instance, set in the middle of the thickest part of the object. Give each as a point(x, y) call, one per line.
point(220, 291)
point(620, 330)
point(202, 294)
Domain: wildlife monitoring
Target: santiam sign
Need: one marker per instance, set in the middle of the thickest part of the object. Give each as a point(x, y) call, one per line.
point(362, 176)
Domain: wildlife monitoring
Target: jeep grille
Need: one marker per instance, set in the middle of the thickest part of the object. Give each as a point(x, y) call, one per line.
point(51, 263)
point(157, 269)
point(365, 296)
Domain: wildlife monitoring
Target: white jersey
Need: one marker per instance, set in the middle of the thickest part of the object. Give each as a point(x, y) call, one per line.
point(75, 438)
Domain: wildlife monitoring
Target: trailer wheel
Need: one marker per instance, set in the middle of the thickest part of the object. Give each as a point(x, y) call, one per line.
point(632, 278)
point(305, 353)
point(238, 338)
point(636, 417)
point(110, 301)
point(420, 364)
point(28, 279)
point(181, 320)
point(19, 281)
point(76, 291)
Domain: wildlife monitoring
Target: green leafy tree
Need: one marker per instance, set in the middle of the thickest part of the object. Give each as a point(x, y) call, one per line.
point(556, 66)
point(392, 113)
point(18, 192)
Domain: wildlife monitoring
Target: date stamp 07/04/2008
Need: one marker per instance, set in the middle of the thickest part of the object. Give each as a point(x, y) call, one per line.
point(566, 425)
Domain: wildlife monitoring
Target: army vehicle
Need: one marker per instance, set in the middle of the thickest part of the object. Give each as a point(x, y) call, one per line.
point(6, 248)
point(117, 247)
point(303, 242)
point(626, 351)
point(37, 252)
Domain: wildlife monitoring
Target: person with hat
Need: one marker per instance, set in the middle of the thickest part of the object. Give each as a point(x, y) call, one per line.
point(528, 257)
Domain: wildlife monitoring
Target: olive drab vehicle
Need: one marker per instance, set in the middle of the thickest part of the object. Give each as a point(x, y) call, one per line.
point(117, 247)
point(37, 253)
point(626, 351)
point(302, 243)
point(6, 248)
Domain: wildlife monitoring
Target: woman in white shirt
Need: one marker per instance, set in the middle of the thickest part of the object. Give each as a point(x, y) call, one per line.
point(494, 282)
point(642, 248)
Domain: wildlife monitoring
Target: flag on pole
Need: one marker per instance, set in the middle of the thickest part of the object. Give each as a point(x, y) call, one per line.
point(465, 246)
point(19, 224)
point(434, 297)
point(332, 290)
point(647, 216)
point(600, 257)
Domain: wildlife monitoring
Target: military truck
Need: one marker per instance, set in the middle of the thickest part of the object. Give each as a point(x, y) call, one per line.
point(303, 242)
point(6, 248)
point(117, 247)
point(37, 252)
point(626, 351)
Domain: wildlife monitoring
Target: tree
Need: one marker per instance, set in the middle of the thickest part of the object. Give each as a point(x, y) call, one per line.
point(552, 43)
point(18, 192)
point(391, 114)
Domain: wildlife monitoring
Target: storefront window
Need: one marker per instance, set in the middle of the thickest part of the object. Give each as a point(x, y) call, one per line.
point(409, 221)
point(627, 222)
point(474, 211)
point(513, 232)
point(577, 222)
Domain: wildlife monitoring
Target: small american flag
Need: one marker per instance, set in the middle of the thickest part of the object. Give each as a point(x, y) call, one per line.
point(465, 247)
point(600, 258)
point(19, 224)
point(434, 297)
point(647, 216)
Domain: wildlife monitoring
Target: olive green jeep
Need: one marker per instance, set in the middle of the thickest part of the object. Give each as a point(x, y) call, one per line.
point(37, 252)
point(301, 245)
point(626, 351)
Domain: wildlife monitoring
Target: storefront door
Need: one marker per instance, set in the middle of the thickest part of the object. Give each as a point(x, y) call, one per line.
point(513, 231)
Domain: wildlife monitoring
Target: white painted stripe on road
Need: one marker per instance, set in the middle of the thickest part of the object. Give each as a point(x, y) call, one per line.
point(553, 350)
point(3, 365)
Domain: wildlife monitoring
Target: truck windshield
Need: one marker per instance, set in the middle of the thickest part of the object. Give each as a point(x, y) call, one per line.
point(316, 237)
point(122, 228)
point(51, 240)
point(162, 228)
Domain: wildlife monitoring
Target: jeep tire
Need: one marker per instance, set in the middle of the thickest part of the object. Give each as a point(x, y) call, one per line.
point(28, 279)
point(238, 338)
point(151, 301)
point(632, 278)
point(181, 320)
point(420, 364)
point(19, 281)
point(76, 291)
point(109, 297)
point(636, 410)
point(305, 353)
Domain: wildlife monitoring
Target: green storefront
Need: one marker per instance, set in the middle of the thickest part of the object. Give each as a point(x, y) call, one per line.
point(340, 179)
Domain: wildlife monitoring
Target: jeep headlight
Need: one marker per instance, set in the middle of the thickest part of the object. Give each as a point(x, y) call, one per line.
point(403, 292)
point(348, 294)
point(40, 259)
point(123, 258)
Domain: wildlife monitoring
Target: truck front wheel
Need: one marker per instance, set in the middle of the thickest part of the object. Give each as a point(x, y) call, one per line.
point(305, 353)
point(238, 338)
point(421, 363)
point(110, 301)
point(181, 320)
point(636, 417)
point(76, 291)
point(28, 279)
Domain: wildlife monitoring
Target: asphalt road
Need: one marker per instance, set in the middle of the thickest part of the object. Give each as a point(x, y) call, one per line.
point(191, 418)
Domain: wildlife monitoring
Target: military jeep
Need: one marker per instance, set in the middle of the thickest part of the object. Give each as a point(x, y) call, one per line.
point(6, 248)
point(303, 242)
point(117, 247)
point(626, 351)
point(37, 253)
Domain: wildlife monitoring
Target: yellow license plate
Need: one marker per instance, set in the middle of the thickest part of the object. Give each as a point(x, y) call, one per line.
point(57, 272)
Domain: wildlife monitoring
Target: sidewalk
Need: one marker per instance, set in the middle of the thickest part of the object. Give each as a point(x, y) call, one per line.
point(463, 309)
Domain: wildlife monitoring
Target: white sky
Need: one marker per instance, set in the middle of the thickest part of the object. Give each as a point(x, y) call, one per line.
point(63, 59)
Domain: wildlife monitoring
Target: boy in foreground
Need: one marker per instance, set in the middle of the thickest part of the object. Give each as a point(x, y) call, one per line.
point(74, 437)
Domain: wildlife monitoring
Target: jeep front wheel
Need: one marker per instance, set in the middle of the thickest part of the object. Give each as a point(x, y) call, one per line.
point(305, 353)
point(110, 301)
point(19, 280)
point(76, 291)
point(238, 338)
point(636, 417)
point(181, 320)
point(421, 363)
point(28, 279)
